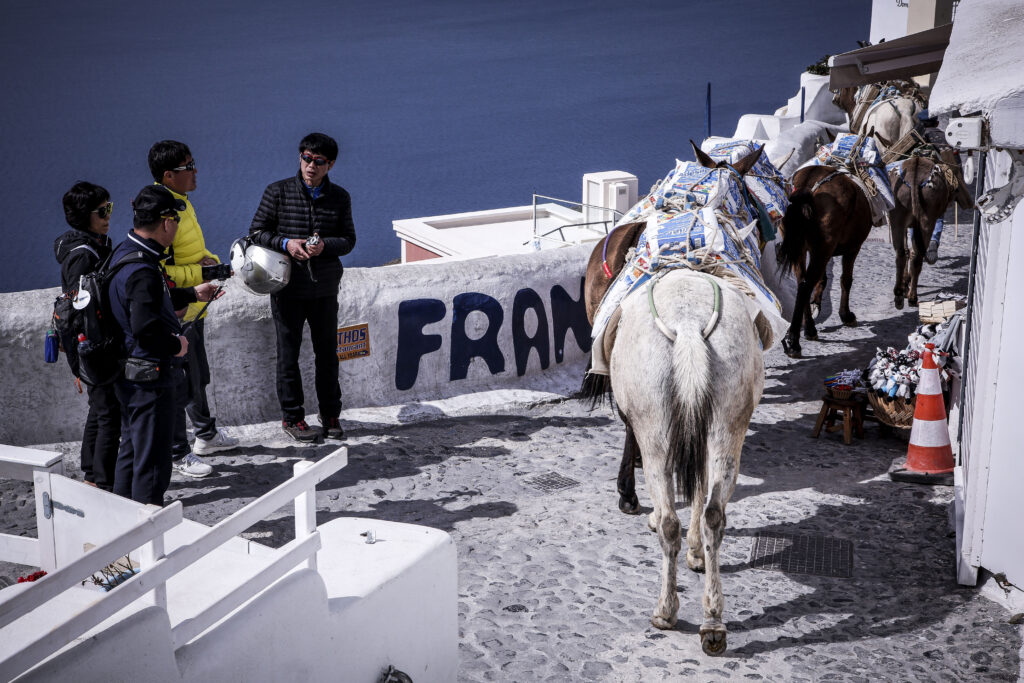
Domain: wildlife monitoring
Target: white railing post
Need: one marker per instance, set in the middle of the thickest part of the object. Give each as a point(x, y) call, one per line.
point(149, 554)
point(305, 510)
point(44, 521)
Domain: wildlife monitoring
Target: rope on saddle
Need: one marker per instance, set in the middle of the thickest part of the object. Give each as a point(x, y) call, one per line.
point(712, 321)
point(764, 221)
point(947, 172)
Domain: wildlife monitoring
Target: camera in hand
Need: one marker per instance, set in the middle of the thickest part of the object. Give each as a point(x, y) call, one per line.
point(313, 240)
point(221, 271)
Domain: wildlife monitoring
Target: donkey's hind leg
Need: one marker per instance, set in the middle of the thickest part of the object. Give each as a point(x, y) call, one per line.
point(628, 502)
point(819, 291)
point(846, 280)
point(661, 487)
point(694, 537)
point(722, 471)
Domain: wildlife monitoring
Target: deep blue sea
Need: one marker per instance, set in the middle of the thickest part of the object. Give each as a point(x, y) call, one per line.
point(440, 106)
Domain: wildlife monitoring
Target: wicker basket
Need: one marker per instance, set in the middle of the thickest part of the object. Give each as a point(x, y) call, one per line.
point(841, 394)
point(893, 412)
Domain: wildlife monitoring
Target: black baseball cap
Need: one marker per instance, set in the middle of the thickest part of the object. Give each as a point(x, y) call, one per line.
point(154, 202)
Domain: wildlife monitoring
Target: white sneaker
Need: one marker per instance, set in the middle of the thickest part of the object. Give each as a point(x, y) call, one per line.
point(220, 442)
point(192, 466)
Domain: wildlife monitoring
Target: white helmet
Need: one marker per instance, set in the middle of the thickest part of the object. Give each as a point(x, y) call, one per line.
point(262, 271)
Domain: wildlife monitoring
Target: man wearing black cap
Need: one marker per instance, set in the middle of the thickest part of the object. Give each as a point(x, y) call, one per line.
point(143, 306)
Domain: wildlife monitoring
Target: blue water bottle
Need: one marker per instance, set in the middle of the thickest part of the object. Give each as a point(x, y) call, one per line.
point(51, 348)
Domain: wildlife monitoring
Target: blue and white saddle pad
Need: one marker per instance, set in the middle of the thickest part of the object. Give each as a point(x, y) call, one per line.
point(766, 182)
point(693, 209)
point(849, 151)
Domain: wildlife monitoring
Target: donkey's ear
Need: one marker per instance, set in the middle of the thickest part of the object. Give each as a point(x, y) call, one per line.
point(702, 158)
point(746, 163)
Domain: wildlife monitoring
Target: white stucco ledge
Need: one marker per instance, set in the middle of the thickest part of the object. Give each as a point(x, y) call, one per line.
point(435, 331)
point(983, 69)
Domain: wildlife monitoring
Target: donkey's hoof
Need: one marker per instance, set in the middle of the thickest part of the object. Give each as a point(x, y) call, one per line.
point(652, 522)
point(898, 302)
point(695, 562)
point(630, 505)
point(811, 333)
point(850, 320)
point(912, 300)
point(713, 639)
point(662, 623)
point(791, 347)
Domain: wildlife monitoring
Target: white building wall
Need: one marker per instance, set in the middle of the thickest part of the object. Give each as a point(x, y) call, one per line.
point(888, 19)
point(436, 330)
point(1002, 548)
point(982, 371)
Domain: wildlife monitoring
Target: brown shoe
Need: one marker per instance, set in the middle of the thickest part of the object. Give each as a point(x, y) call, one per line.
point(332, 428)
point(300, 431)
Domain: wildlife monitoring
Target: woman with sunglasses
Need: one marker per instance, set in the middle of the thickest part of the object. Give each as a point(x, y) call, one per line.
point(81, 250)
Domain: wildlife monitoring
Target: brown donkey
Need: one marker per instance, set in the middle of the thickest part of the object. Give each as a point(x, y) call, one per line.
point(828, 216)
point(923, 189)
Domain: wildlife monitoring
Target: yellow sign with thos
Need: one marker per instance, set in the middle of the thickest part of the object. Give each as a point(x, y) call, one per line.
point(354, 341)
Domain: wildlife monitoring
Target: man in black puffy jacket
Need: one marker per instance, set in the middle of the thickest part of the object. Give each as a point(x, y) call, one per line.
point(81, 250)
point(310, 219)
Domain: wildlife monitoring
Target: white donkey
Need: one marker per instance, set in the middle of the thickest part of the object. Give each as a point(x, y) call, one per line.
point(887, 120)
point(689, 402)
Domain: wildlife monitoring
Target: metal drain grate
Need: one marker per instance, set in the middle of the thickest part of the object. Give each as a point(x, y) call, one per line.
point(551, 481)
point(817, 555)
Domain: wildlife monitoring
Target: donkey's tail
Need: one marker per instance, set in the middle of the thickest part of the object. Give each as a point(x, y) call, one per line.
point(692, 406)
point(596, 388)
point(798, 223)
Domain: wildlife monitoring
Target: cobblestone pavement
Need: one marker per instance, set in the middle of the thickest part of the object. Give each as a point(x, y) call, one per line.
point(557, 586)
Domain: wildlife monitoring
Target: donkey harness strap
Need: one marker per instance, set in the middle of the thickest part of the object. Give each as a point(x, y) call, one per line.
point(830, 176)
point(604, 256)
point(712, 321)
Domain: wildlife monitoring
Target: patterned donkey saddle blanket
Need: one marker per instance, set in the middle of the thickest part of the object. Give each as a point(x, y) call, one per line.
point(697, 218)
point(859, 157)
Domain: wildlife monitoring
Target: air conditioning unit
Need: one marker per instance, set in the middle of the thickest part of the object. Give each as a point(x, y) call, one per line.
point(606, 193)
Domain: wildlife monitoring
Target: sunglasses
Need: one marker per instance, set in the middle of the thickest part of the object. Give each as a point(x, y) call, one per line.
point(104, 210)
point(310, 159)
point(190, 166)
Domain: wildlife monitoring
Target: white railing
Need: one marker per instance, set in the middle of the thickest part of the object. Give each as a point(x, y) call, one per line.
point(157, 567)
point(22, 464)
point(605, 225)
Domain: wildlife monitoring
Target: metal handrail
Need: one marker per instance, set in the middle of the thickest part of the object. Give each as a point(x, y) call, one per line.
point(616, 215)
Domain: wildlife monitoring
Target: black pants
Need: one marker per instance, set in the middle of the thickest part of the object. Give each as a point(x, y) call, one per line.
point(197, 373)
point(143, 470)
point(182, 396)
point(101, 436)
point(290, 316)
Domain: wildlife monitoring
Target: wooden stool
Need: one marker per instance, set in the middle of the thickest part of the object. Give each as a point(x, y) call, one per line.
point(852, 410)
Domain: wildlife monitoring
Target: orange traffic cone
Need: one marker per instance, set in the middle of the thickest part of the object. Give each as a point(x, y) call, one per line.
point(929, 455)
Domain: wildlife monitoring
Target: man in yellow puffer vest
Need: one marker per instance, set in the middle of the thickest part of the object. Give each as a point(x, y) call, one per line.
point(172, 166)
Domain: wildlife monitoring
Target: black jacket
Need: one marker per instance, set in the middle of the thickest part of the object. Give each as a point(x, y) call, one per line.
point(142, 302)
point(287, 211)
point(79, 252)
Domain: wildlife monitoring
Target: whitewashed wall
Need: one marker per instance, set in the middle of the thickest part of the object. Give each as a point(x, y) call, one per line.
point(436, 331)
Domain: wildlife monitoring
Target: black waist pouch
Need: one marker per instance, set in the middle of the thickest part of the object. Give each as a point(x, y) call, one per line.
point(141, 370)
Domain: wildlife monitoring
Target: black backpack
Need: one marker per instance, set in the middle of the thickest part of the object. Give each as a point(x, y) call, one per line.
point(88, 332)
